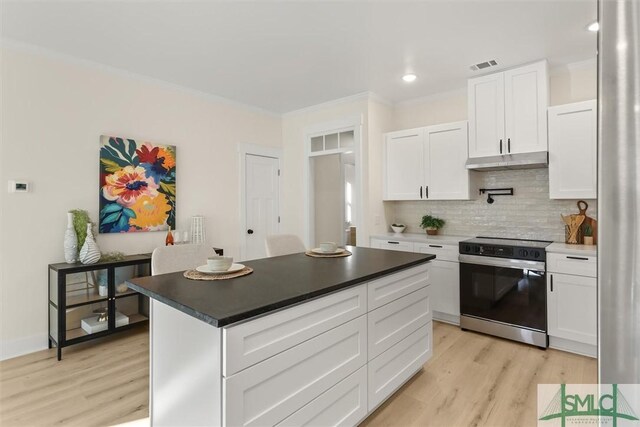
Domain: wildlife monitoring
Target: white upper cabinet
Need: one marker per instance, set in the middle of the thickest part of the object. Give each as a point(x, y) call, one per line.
point(486, 115)
point(507, 111)
point(427, 163)
point(445, 155)
point(526, 99)
point(573, 151)
point(403, 166)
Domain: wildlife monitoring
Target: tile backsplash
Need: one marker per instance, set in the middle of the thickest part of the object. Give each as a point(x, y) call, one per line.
point(528, 214)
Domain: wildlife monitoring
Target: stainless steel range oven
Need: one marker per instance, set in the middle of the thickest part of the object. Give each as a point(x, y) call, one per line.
point(503, 288)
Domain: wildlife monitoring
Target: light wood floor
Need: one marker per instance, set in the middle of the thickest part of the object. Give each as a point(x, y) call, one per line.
point(471, 380)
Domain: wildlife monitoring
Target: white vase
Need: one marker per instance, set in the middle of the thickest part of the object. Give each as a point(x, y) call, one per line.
point(70, 241)
point(89, 254)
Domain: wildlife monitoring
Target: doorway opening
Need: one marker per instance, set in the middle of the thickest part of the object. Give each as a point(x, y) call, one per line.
point(332, 171)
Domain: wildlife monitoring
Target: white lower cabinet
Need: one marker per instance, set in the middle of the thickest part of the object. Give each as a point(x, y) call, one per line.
point(269, 392)
point(572, 308)
point(445, 292)
point(344, 404)
point(572, 302)
point(325, 367)
point(394, 367)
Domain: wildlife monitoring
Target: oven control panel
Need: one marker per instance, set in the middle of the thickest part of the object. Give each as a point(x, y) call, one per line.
point(500, 251)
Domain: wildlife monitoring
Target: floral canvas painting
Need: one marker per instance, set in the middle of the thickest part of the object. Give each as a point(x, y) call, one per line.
point(137, 186)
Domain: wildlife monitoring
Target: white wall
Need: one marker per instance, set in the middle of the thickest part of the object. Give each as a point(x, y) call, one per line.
point(53, 113)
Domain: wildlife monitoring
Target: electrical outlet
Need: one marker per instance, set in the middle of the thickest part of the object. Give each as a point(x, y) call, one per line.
point(377, 219)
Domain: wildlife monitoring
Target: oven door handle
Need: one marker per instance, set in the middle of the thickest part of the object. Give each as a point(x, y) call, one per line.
point(502, 262)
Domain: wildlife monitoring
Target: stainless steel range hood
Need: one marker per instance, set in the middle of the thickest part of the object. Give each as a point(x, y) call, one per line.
point(510, 161)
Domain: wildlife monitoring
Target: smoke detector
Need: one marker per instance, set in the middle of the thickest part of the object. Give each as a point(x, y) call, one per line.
point(483, 65)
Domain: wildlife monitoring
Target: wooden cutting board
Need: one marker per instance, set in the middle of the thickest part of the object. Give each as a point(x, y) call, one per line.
point(583, 206)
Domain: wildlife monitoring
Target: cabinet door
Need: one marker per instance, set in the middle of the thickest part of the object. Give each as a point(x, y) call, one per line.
point(573, 151)
point(445, 155)
point(571, 307)
point(525, 94)
point(445, 287)
point(486, 115)
point(403, 165)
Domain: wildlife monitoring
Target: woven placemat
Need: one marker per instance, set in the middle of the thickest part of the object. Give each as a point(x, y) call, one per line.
point(340, 255)
point(196, 275)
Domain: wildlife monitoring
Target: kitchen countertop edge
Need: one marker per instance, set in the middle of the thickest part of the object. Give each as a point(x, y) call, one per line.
point(280, 305)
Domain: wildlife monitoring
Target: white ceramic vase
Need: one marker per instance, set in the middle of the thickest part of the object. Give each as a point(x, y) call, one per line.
point(89, 254)
point(70, 241)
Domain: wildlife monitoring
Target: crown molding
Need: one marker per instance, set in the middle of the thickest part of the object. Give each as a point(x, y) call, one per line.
point(362, 96)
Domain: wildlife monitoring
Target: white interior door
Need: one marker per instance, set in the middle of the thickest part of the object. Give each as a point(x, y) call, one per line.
point(262, 188)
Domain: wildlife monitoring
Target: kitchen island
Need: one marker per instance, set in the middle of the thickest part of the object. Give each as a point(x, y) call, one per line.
point(300, 340)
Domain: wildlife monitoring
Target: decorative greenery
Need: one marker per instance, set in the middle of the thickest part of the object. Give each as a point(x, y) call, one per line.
point(588, 230)
point(112, 256)
point(429, 221)
point(397, 225)
point(80, 221)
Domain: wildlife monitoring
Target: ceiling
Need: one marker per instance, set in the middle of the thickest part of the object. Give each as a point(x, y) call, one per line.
point(282, 56)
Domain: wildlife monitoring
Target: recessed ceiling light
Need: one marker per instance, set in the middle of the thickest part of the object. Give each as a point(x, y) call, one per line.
point(594, 26)
point(409, 78)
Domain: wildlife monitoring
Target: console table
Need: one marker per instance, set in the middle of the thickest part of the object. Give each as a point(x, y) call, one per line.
point(92, 301)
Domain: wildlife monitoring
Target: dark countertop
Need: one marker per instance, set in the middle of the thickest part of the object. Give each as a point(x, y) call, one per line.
point(275, 283)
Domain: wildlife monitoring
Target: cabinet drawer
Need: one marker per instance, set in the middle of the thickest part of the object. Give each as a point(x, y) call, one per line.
point(572, 264)
point(395, 366)
point(388, 288)
point(393, 322)
point(254, 341)
point(392, 245)
point(442, 252)
point(344, 404)
point(269, 392)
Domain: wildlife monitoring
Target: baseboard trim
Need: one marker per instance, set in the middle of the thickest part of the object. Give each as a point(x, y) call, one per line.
point(446, 318)
point(573, 347)
point(21, 346)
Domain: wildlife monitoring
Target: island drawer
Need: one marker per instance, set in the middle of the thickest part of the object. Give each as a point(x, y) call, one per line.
point(344, 404)
point(387, 372)
point(442, 252)
point(572, 264)
point(393, 322)
point(389, 288)
point(267, 393)
point(251, 342)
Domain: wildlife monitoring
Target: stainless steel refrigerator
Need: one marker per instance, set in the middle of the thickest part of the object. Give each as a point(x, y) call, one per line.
point(619, 191)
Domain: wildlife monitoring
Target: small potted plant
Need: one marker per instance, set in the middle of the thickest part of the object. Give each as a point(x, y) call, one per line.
point(398, 228)
point(588, 235)
point(431, 224)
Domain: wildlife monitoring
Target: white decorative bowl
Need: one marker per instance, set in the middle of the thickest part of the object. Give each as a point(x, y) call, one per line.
point(398, 230)
point(219, 263)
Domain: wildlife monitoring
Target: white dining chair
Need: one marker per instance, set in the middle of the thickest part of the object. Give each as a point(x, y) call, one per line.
point(169, 259)
point(283, 244)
